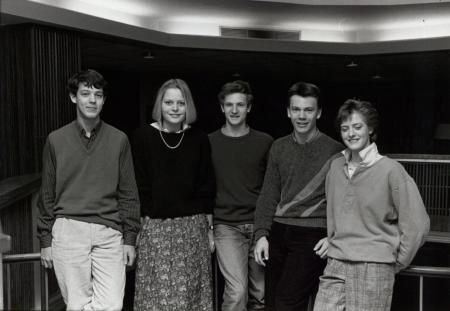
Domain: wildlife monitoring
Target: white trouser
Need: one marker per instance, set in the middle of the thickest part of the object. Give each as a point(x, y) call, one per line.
point(89, 265)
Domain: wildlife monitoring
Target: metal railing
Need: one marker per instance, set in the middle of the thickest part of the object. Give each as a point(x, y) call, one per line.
point(17, 206)
point(425, 271)
point(432, 176)
point(5, 246)
point(417, 271)
point(8, 260)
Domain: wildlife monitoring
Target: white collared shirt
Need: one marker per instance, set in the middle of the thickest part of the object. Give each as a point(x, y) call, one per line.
point(158, 126)
point(369, 156)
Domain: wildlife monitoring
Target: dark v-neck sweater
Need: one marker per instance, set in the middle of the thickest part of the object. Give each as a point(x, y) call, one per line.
point(173, 182)
point(92, 183)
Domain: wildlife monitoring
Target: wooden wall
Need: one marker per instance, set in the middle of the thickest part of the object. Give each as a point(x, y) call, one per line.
point(35, 64)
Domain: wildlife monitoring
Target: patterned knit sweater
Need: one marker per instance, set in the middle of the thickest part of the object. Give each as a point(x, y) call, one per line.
point(294, 185)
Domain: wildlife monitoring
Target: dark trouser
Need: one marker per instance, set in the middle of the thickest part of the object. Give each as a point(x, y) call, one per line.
point(293, 269)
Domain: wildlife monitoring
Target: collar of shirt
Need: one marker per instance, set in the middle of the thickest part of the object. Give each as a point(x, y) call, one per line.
point(158, 126)
point(94, 131)
point(369, 155)
point(312, 138)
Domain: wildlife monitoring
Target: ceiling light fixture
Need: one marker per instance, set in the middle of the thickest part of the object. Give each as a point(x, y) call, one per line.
point(148, 55)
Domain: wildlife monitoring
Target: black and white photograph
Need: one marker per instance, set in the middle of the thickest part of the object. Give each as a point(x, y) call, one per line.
point(225, 155)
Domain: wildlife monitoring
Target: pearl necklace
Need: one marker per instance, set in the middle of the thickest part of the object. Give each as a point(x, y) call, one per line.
point(169, 146)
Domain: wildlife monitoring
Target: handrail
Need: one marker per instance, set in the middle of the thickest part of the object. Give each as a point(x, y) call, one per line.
point(23, 258)
point(16, 258)
point(18, 187)
point(438, 237)
point(429, 158)
point(427, 271)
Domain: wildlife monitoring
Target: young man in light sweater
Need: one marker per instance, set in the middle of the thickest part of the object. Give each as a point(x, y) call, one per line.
point(89, 205)
point(290, 218)
point(239, 156)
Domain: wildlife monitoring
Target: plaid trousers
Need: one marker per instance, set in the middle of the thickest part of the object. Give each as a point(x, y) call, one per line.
point(355, 286)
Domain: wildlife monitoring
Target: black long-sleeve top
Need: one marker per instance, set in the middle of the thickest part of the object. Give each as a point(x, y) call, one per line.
point(173, 182)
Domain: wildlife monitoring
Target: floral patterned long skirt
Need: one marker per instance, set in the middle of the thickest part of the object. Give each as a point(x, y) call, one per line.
point(174, 265)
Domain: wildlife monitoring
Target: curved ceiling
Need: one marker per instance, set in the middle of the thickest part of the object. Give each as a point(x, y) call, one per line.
point(355, 2)
point(361, 22)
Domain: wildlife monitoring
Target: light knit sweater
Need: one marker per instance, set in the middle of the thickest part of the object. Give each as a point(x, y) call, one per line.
point(377, 215)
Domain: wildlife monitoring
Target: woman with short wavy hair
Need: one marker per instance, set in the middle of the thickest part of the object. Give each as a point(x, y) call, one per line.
point(376, 219)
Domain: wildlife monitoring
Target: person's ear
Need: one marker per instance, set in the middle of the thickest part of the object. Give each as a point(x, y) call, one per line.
point(73, 98)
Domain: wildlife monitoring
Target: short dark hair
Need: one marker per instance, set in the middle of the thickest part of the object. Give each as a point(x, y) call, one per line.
point(88, 78)
point(365, 108)
point(304, 89)
point(237, 86)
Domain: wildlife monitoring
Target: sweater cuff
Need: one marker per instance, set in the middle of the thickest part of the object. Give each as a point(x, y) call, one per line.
point(398, 267)
point(46, 241)
point(129, 238)
point(259, 233)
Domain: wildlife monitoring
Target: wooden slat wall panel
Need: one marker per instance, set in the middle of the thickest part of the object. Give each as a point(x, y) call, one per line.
point(36, 62)
point(55, 58)
point(16, 222)
point(14, 58)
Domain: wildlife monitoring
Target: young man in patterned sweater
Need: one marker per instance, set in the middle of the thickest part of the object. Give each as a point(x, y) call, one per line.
point(290, 218)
